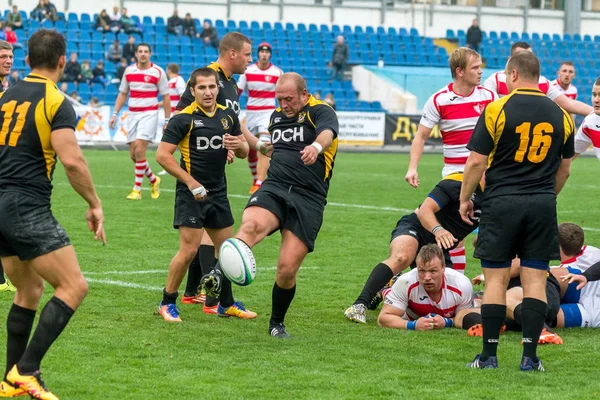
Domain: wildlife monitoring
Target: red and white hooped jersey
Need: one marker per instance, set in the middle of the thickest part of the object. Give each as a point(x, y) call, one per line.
point(589, 135)
point(497, 84)
point(588, 256)
point(176, 89)
point(260, 84)
point(570, 92)
point(456, 117)
point(144, 86)
point(409, 295)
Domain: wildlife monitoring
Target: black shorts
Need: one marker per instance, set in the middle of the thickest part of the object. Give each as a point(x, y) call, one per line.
point(212, 213)
point(298, 210)
point(27, 227)
point(518, 225)
point(409, 225)
point(552, 297)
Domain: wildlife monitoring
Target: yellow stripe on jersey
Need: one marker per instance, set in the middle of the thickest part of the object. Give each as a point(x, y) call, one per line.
point(569, 126)
point(329, 155)
point(184, 149)
point(43, 130)
point(495, 119)
point(455, 176)
point(190, 109)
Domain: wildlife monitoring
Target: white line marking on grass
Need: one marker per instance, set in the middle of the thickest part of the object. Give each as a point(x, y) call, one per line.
point(164, 271)
point(125, 284)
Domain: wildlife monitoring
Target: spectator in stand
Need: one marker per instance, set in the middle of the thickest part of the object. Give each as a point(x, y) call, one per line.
point(129, 50)
point(86, 72)
point(317, 95)
point(14, 18)
point(39, 12)
point(474, 36)
point(11, 37)
point(209, 35)
point(76, 96)
point(329, 100)
point(72, 70)
point(175, 24)
point(98, 73)
point(95, 103)
point(189, 26)
point(128, 24)
point(120, 70)
point(14, 78)
point(102, 22)
point(115, 20)
point(114, 52)
point(339, 57)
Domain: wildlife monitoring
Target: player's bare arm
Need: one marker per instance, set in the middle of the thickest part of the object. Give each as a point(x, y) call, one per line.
point(474, 169)
point(119, 103)
point(562, 174)
point(391, 317)
point(573, 106)
point(416, 151)
point(69, 153)
point(265, 149)
point(321, 144)
point(166, 101)
point(164, 156)
point(237, 144)
point(426, 215)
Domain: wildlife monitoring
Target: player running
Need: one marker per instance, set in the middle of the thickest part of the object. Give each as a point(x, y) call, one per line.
point(40, 126)
point(292, 199)
point(203, 132)
point(435, 221)
point(143, 81)
point(260, 80)
point(428, 297)
point(589, 131)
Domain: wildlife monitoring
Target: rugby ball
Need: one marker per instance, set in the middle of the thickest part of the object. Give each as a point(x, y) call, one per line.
point(237, 262)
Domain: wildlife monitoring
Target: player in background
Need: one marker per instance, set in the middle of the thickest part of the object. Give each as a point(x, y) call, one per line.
point(564, 82)
point(455, 109)
point(40, 126)
point(589, 131)
point(6, 63)
point(260, 80)
point(428, 297)
point(143, 81)
point(203, 132)
point(435, 221)
point(176, 85)
point(497, 83)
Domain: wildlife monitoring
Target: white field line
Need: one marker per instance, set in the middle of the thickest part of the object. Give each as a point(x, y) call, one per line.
point(125, 284)
point(330, 203)
point(164, 271)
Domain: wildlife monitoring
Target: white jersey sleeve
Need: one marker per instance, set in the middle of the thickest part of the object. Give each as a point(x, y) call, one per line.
point(398, 296)
point(180, 86)
point(241, 83)
point(431, 115)
point(124, 87)
point(490, 83)
point(466, 300)
point(552, 92)
point(582, 141)
point(163, 84)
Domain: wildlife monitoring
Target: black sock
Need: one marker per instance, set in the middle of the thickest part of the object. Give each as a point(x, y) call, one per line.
point(202, 264)
point(534, 314)
point(518, 314)
point(492, 318)
point(226, 296)
point(281, 300)
point(207, 258)
point(18, 327)
point(470, 320)
point(169, 298)
point(2, 280)
point(379, 277)
point(53, 319)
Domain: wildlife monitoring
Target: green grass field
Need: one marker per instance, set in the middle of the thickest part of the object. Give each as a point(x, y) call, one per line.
point(117, 348)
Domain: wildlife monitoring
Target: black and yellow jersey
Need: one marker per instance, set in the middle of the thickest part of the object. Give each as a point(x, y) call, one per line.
point(447, 195)
point(228, 92)
point(29, 113)
point(526, 136)
point(291, 135)
point(199, 135)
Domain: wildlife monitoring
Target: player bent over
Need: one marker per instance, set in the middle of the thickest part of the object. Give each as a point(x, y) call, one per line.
point(428, 297)
point(204, 132)
point(437, 220)
point(292, 198)
point(33, 246)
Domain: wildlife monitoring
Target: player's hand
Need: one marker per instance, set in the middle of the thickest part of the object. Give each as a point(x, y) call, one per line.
point(165, 125)
point(95, 222)
point(438, 321)
point(425, 324)
point(230, 156)
point(412, 177)
point(113, 122)
point(477, 280)
point(198, 191)
point(580, 279)
point(231, 142)
point(445, 239)
point(466, 211)
point(266, 149)
point(309, 155)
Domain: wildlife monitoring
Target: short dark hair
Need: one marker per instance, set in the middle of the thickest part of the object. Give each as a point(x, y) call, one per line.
point(205, 72)
point(570, 238)
point(569, 63)
point(45, 48)
point(233, 41)
point(519, 45)
point(430, 252)
point(597, 83)
point(173, 67)
point(143, 44)
point(526, 64)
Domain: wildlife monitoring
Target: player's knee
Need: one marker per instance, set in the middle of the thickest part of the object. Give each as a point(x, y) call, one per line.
point(81, 287)
point(188, 252)
point(286, 273)
point(250, 228)
point(397, 262)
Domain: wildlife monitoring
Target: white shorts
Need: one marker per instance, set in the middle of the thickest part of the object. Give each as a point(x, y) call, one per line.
point(257, 122)
point(451, 169)
point(141, 126)
point(585, 314)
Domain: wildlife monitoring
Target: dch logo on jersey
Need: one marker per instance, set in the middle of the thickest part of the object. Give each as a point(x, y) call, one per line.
point(225, 123)
point(234, 105)
point(301, 117)
point(204, 143)
point(295, 134)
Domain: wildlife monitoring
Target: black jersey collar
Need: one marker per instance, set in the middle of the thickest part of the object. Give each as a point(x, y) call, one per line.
point(529, 90)
point(217, 67)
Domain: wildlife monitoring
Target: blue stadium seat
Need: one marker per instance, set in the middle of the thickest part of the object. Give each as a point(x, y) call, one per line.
point(567, 37)
point(414, 32)
point(254, 25)
point(159, 21)
point(302, 27)
point(243, 24)
point(231, 25)
point(450, 34)
point(369, 30)
point(85, 17)
point(493, 35)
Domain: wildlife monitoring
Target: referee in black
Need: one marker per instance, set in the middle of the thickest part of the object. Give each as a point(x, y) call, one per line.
point(526, 142)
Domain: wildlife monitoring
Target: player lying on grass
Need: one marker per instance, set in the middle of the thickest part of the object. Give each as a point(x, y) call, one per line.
point(428, 297)
point(436, 221)
point(583, 294)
